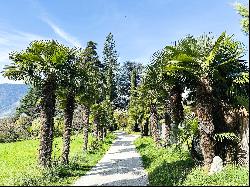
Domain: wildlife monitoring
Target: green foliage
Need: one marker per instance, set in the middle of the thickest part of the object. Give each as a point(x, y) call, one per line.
point(240, 90)
point(124, 82)
point(231, 175)
point(121, 118)
point(165, 167)
point(12, 129)
point(188, 128)
point(29, 103)
point(35, 127)
point(24, 127)
point(243, 10)
point(111, 65)
point(91, 85)
point(172, 167)
point(7, 130)
point(21, 167)
point(59, 126)
point(33, 65)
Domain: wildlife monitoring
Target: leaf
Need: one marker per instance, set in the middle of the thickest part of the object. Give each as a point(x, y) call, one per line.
point(214, 50)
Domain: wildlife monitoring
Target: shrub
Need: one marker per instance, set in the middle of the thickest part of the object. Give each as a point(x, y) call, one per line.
point(12, 129)
point(7, 130)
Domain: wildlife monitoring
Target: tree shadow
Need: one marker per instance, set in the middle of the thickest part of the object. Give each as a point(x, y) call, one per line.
point(142, 146)
point(139, 181)
point(171, 174)
point(124, 150)
point(118, 166)
point(122, 143)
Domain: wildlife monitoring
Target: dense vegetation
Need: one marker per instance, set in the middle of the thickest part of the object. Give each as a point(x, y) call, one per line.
point(216, 82)
point(175, 167)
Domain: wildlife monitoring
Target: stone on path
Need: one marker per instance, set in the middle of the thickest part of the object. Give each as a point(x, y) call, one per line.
point(120, 166)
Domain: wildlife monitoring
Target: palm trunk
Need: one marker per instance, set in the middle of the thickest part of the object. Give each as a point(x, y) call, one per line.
point(101, 133)
point(166, 126)
point(47, 123)
point(96, 128)
point(68, 118)
point(206, 126)
point(85, 127)
point(154, 123)
point(176, 109)
point(104, 132)
point(145, 129)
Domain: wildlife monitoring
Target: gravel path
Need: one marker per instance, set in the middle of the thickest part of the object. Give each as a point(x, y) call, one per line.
point(120, 166)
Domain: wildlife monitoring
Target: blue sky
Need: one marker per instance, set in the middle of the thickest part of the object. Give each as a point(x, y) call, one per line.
point(140, 27)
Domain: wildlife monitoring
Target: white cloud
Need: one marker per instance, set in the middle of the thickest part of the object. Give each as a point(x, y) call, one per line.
point(60, 32)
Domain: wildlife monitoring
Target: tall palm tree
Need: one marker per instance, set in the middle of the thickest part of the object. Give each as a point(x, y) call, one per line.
point(69, 87)
point(40, 65)
point(91, 86)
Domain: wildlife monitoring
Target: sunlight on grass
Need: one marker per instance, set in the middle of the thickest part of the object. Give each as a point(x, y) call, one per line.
point(174, 167)
point(18, 162)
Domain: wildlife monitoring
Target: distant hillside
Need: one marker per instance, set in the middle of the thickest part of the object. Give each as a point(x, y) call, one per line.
point(10, 96)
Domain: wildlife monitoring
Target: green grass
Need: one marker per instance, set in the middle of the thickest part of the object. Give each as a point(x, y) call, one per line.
point(174, 167)
point(18, 162)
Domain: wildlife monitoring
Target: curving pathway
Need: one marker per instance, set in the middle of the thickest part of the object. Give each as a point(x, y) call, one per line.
point(120, 166)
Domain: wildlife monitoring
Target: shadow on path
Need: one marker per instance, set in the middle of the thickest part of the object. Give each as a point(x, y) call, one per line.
point(120, 166)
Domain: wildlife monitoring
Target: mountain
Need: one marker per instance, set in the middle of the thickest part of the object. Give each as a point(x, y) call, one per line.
point(10, 96)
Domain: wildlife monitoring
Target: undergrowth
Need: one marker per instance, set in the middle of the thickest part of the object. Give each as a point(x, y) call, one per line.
point(174, 167)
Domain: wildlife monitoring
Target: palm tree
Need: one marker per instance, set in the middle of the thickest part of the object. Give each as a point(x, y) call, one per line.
point(150, 92)
point(201, 61)
point(40, 65)
point(68, 88)
point(91, 87)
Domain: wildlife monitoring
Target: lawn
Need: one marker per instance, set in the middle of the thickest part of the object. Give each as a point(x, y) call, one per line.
point(18, 162)
point(174, 167)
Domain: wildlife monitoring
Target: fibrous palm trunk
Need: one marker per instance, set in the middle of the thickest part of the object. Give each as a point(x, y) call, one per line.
point(47, 123)
point(101, 134)
point(96, 128)
point(166, 126)
point(85, 127)
point(68, 118)
point(104, 132)
point(144, 128)
point(206, 126)
point(154, 123)
point(176, 109)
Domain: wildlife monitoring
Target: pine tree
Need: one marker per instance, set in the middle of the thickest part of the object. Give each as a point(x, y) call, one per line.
point(111, 65)
point(124, 82)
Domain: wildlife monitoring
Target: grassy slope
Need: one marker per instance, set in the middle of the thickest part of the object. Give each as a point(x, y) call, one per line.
point(18, 162)
point(172, 167)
